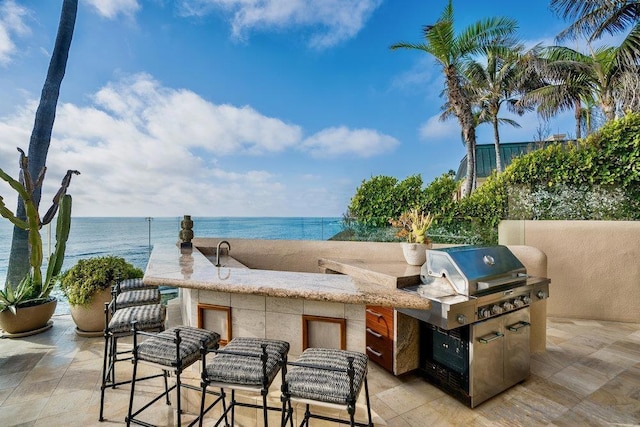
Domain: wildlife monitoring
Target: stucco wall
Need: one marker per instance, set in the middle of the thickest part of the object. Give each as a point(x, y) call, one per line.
point(594, 266)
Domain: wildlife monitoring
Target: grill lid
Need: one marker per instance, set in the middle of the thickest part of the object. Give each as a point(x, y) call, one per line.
point(473, 269)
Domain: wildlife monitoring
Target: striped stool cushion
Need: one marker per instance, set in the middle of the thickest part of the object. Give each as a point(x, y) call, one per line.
point(134, 285)
point(162, 350)
point(141, 297)
point(149, 317)
point(236, 369)
point(324, 385)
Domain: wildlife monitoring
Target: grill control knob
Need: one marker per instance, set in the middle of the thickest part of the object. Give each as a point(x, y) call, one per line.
point(462, 319)
point(541, 294)
point(484, 313)
point(526, 299)
point(496, 309)
point(507, 306)
point(519, 302)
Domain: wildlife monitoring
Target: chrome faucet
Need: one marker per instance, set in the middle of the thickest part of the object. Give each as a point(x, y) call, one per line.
point(218, 251)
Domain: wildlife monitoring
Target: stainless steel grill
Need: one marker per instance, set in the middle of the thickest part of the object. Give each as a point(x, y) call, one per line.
point(475, 337)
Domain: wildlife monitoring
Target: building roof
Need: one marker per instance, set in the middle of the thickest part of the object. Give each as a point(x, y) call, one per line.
point(486, 156)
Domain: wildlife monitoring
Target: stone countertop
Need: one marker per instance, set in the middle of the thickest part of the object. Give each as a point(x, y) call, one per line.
point(168, 266)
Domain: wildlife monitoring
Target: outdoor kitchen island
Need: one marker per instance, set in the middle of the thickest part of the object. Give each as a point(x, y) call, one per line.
point(305, 309)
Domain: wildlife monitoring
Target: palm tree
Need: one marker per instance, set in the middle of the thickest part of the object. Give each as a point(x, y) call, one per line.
point(594, 18)
point(41, 134)
point(574, 78)
point(452, 50)
point(499, 81)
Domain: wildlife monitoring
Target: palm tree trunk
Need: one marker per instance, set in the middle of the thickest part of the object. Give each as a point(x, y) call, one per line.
point(608, 108)
point(578, 116)
point(462, 110)
point(41, 135)
point(496, 138)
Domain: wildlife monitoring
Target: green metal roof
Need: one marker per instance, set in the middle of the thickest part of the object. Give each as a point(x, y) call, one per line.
point(486, 156)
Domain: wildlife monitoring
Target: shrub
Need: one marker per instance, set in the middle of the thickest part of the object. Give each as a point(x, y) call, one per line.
point(89, 276)
point(384, 197)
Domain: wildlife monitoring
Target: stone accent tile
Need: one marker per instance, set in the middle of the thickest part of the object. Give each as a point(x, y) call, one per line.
point(284, 305)
point(248, 323)
point(323, 308)
point(251, 302)
point(286, 327)
point(356, 336)
point(355, 311)
point(214, 298)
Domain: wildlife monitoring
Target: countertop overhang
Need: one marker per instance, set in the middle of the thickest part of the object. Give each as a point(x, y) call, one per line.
point(170, 266)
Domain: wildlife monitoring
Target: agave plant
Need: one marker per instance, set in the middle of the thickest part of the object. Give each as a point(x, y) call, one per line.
point(33, 288)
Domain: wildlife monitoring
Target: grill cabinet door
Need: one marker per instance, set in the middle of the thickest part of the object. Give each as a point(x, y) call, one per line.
point(487, 366)
point(517, 360)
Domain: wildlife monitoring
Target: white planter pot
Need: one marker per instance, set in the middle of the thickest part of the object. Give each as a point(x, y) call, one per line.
point(415, 253)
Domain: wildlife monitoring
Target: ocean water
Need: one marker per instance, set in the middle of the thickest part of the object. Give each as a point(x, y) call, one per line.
point(133, 238)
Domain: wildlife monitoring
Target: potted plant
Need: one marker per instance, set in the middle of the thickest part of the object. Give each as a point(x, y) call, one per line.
point(413, 226)
point(87, 285)
point(27, 307)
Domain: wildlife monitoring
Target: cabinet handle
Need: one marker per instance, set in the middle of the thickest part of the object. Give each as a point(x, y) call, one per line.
point(490, 337)
point(374, 333)
point(375, 353)
point(517, 326)
point(374, 313)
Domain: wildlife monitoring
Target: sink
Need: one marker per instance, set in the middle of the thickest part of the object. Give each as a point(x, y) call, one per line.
point(225, 259)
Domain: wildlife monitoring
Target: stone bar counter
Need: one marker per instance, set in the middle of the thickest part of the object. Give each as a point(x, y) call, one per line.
point(303, 308)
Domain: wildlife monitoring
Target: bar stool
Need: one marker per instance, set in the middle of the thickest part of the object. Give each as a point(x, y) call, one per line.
point(246, 364)
point(325, 376)
point(139, 297)
point(150, 317)
point(173, 350)
point(127, 285)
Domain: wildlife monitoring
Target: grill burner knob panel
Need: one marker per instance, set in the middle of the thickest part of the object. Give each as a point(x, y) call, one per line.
point(507, 306)
point(496, 309)
point(483, 313)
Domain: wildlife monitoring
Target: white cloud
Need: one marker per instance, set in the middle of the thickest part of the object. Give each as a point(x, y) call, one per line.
point(333, 21)
point(339, 141)
point(112, 8)
point(144, 149)
point(435, 130)
point(181, 117)
point(11, 24)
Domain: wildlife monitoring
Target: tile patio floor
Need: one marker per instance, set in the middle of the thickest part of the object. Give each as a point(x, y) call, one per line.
point(589, 375)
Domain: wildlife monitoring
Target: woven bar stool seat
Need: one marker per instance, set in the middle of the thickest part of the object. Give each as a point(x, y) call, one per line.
point(327, 376)
point(139, 297)
point(136, 284)
point(172, 350)
point(248, 364)
point(149, 317)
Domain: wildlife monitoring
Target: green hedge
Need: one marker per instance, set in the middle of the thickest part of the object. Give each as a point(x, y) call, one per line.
point(596, 178)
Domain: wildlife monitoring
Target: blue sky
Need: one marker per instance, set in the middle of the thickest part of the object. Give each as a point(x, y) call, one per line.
point(238, 107)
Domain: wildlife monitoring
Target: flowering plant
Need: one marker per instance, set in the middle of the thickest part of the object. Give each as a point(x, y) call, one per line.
point(413, 225)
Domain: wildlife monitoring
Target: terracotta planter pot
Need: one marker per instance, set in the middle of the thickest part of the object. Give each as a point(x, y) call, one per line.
point(90, 318)
point(27, 319)
point(415, 253)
